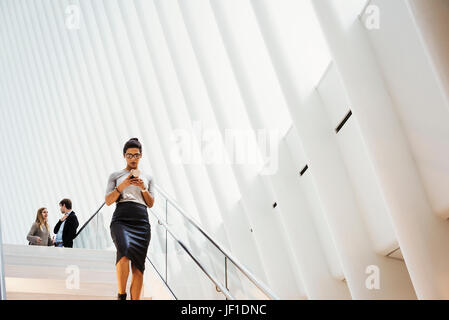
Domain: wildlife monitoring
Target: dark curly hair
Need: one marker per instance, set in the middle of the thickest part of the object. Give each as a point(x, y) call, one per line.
point(132, 143)
point(66, 202)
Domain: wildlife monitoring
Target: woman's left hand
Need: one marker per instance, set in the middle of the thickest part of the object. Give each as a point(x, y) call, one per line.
point(138, 182)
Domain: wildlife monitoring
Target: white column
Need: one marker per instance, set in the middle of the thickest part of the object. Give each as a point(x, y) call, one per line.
point(252, 75)
point(432, 17)
point(16, 118)
point(423, 237)
point(171, 115)
point(230, 114)
point(329, 177)
point(156, 19)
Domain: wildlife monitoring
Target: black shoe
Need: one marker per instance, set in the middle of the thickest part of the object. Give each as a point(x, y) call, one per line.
point(121, 296)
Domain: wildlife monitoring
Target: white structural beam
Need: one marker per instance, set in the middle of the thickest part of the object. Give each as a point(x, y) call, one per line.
point(330, 177)
point(389, 150)
point(308, 138)
point(227, 105)
point(266, 109)
point(161, 26)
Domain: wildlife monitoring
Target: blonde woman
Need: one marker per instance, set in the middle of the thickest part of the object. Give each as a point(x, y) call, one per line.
point(39, 234)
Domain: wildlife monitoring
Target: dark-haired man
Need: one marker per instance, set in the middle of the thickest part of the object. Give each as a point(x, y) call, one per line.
point(65, 229)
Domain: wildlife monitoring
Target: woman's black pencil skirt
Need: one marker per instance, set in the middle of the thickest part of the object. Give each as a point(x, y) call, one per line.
point(131, 232)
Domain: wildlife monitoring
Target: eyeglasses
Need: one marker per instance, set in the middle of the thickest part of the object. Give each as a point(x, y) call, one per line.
point(135, 156)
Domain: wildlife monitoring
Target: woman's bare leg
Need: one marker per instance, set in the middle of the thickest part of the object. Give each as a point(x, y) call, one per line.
point(122, 267)
point(136, 283)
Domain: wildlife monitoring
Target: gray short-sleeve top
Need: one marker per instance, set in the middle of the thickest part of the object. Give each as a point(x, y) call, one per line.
point(130, 193)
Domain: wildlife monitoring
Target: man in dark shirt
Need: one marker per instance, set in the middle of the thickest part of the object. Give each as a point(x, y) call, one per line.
point(65, 229)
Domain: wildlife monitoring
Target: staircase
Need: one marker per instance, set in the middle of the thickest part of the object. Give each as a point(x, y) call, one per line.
point(183, 262)
point(50, 273)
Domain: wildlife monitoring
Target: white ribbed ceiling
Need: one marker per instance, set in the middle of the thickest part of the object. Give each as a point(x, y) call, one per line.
point(79, 78)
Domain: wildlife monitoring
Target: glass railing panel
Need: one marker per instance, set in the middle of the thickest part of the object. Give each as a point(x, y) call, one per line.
point(159, 206)
point(185, 277)
point(95, 234)
point(157, 249)
point(240, 286)
point(181, 273)
point(103, 236)
point(188, 278)
point(203, 249)
point(87, 237)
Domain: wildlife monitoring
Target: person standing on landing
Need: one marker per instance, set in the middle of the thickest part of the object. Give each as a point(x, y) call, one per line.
point(132, 191)
point(65, 229)
point(39, 234)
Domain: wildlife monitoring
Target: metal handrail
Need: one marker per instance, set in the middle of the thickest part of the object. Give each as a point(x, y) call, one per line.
point(162, 278)
point(85, 224)
point(203, 268)
point(245, 271)
point(239, 266)
point(2, 268)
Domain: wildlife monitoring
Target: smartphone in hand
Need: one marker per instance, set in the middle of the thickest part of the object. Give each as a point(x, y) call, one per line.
point(135, 173)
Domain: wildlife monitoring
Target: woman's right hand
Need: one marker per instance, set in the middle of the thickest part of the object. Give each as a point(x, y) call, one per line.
point(38, 240)
point(125, 183)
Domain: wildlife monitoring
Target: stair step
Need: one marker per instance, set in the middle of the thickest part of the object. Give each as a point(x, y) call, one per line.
point(48, 296)
point(41, 273)
point(63, 287)
point(59, 273)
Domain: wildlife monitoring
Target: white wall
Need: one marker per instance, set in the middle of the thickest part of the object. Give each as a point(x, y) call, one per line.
point(163, 70)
